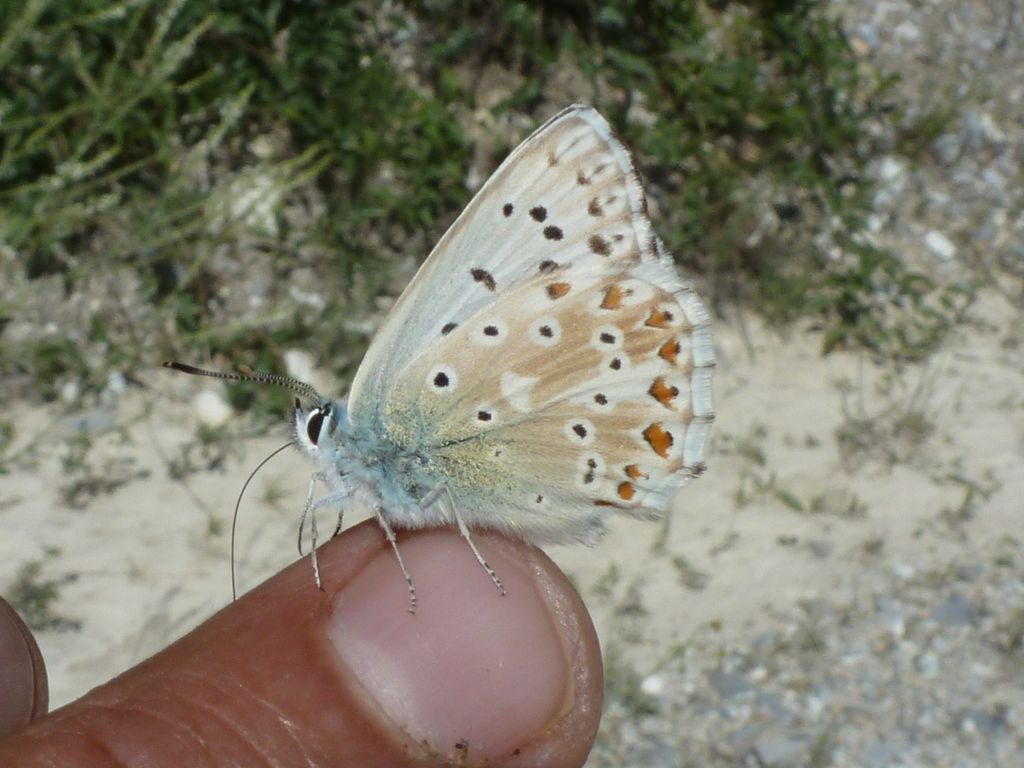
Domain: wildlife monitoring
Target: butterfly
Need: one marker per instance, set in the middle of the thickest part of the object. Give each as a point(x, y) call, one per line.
point(546, 367)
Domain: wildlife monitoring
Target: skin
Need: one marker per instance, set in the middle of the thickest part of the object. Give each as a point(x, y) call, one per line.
point(289, 675)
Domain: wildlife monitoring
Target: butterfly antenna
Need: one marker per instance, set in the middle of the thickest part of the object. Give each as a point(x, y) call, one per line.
point(248, 374)
point(238, 504)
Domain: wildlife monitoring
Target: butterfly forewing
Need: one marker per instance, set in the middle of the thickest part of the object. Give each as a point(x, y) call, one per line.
point(555, 198)
point(547, 362)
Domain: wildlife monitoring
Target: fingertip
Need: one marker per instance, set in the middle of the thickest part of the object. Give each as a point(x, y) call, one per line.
point(473, 675)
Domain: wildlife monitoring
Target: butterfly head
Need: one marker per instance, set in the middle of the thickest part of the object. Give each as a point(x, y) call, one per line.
point(316, 427)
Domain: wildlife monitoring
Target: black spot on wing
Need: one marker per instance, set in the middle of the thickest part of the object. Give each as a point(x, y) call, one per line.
point(485, 277)
point(599, 245)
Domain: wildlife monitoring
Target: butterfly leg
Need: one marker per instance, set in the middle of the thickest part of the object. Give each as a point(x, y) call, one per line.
point(312, 551)
point(309, 512)
point(464, 531)
point(314, 537)
point(378, 511)
point(306, 509)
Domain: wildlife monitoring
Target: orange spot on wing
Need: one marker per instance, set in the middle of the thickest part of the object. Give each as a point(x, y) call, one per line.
point(658, 318)
point(558, 290)
point(662, 392)
point(659, 440)
point(626, 491)
point(633, 471)
point(612, 297)
point(669, 351)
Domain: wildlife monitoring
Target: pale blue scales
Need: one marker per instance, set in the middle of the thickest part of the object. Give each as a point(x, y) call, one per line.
point(545, 367)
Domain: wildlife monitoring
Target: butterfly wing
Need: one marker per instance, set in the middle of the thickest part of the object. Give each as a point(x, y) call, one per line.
point(547, 361)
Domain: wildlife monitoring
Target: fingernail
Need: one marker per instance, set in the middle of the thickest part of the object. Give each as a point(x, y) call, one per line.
point(471, 671)
point(23, 684)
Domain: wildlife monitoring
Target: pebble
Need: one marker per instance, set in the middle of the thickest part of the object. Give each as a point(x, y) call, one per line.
point(728, 684)
point(948, 148)
point(70, 391)
point(940, 245)
point(928, 664)
point(211, 407)
point(652, 685)
point(300, 364)
point(781, 750)
point(956, 611)
point(92, 421)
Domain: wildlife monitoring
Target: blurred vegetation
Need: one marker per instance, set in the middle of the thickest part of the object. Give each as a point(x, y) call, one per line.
point(227, 180)
point(35, 596)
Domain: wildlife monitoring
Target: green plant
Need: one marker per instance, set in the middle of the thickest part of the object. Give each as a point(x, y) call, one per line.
point(33, 597)
point(6, 439)
point(690, 576)
point(148, 146)
point(88, 472)
point(894, 430)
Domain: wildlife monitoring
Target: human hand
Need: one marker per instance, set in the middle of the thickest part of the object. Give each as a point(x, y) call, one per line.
point(289, 675)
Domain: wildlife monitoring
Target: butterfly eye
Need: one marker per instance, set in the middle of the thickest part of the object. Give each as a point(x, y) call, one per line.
point(316, 423)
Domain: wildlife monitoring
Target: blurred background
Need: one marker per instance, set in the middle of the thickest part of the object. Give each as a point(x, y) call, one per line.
point(232, 183)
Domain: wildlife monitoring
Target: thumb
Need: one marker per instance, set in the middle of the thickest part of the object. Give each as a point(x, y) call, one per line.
point(290, 675)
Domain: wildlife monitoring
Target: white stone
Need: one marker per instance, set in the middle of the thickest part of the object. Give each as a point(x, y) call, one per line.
point(211, 407)
point(652, 685)
point(890, 168)
point(940, 245)
point(300, 365)
point(928, 664)
point(70, 391)
point(116, 384)
point(903, 571)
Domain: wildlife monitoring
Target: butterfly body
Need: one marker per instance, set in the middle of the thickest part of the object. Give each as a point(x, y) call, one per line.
point(364, 464)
